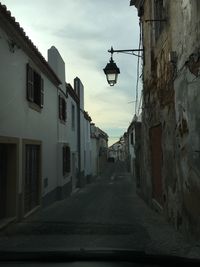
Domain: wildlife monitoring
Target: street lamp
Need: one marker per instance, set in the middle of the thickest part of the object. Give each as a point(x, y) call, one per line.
point(111, 70)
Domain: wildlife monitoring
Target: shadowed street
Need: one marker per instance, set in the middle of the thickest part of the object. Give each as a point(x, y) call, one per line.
point(105, 214)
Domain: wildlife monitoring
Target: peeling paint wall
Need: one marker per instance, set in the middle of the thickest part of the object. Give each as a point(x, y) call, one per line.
point(187, 99)
point(158, 106)
point(172, 99)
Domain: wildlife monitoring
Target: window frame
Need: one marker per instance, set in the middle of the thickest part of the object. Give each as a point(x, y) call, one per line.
point(34, 86)
point(62, 108)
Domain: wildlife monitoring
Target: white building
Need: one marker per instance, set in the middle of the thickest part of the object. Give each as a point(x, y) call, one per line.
point(118, 151)
point(45, 144)
point(87, 147)
point(79, 90)
point(28, 123)
point(131, 147)
point(64, 169)
point(72, 133)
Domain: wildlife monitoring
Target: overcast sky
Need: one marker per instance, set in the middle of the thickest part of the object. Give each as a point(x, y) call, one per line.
point(83, 31)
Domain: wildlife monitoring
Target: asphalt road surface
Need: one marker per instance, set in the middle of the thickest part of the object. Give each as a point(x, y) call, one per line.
point(105, 214)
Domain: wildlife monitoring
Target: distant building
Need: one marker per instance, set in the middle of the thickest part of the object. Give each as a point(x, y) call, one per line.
point(73, 133)
point(119, 150)
point(99, 145)
point(134, 149)
point(87, 148)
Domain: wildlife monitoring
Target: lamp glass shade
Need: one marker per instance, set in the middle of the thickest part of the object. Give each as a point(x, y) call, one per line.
point(111, 71)
point(111, 78)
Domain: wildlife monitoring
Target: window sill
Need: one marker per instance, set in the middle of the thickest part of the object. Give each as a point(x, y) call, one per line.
point(35, 107)
point(63, 122)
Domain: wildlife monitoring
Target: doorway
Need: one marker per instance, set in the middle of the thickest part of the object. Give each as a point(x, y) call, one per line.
point(8, 180)
point(32, 177)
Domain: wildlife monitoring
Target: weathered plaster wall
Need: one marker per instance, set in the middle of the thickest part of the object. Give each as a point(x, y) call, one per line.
point(171, 98)
point(185, 41)
point(158, 106)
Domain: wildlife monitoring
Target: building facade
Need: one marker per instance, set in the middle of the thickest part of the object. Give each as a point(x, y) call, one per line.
point(87, 147)
point(170, 118)
point(45, 144)
point(99, 150)
point(28, 154)
point(73, 133)
point(131, 148)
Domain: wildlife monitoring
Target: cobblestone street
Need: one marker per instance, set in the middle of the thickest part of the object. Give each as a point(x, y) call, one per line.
point(105, 214)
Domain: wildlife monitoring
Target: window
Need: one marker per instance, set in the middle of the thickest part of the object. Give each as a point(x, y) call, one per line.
point(73, 117)
point(132, 138)
point(66, 160)
point(35, 87)
point(62, 108)
point(159, 14)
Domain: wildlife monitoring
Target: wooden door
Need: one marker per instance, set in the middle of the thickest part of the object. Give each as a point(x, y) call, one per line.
point(32, 169)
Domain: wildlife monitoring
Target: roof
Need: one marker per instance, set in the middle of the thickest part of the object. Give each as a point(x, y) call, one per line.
point(136, 3)
point(97, 133)
point(102, 133)
point(13, 28)
point(87, 117)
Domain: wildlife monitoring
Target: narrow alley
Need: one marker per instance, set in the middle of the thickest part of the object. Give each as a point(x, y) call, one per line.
point(105, 214)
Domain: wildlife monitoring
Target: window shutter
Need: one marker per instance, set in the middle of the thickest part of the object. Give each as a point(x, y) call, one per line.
point(63, 103)
point(41, 92)
point(29, 83)
point(64, 110)
point(60, 107)
point(68, 160)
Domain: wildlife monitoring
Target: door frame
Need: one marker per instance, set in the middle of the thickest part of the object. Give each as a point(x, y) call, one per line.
point(156, 173)
point(24, 143)
point(12, 205)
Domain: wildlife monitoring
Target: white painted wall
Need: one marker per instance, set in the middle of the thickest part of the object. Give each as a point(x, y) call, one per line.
point(87, 148)
point(58, 65)
point(72, 135)
point(17, 119)
point(95, 158)
point(79, 89)
point(94, 150)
